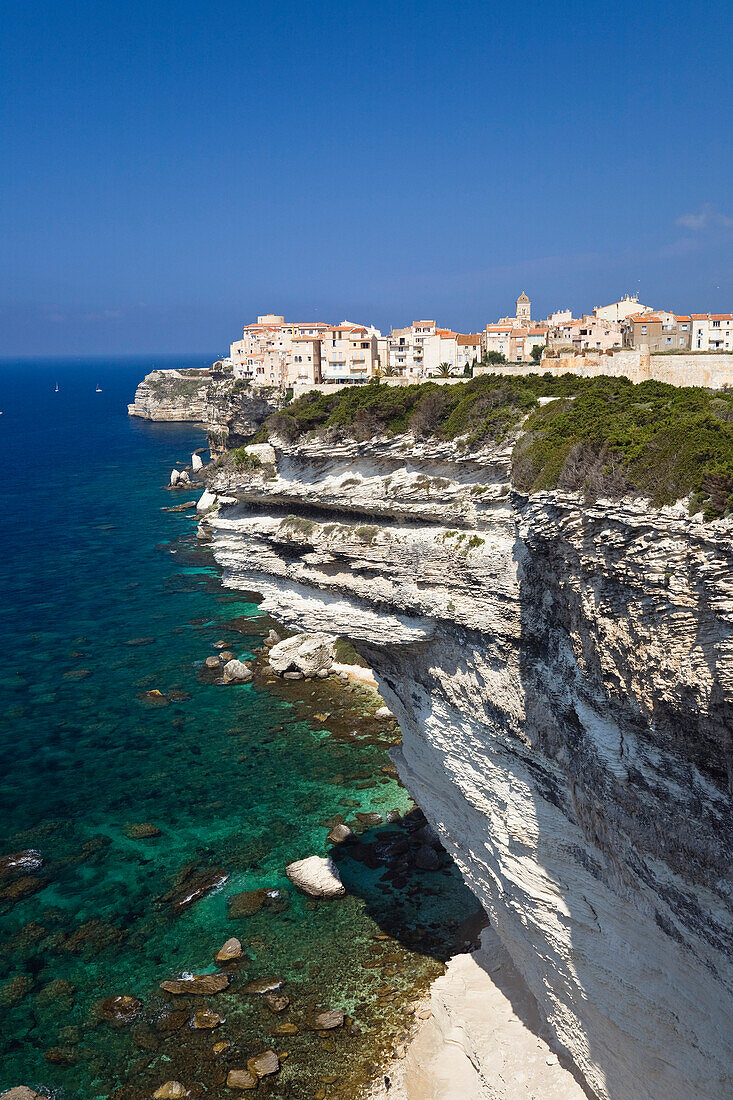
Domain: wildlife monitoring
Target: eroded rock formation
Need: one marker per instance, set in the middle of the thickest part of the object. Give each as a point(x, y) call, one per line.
point(563, 677)
point(230, 409)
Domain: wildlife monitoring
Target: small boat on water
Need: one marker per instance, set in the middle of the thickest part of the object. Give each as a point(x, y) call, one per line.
point(57, 388)
point(98, 389)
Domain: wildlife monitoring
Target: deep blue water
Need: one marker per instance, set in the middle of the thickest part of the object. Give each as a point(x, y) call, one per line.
point(235, 778)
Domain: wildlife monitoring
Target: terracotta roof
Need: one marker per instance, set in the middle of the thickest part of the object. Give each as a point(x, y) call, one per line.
point(538, 332)
point(464, 340)
point(721, 316)
point(642, 318)
point(498, 328)
point(700, 316)
point(682, 317)
point(519, 332)
point(446, 333)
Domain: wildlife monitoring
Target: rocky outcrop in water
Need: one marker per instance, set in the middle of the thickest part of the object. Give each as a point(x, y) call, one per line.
point(173, 395)
point(230, 409)
point(563, 676)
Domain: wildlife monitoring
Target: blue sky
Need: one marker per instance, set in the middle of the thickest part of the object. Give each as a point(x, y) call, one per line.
point(172, 169)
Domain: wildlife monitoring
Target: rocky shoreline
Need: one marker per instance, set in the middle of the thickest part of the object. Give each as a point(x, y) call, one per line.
point(228, 409)
point(194, 1017)
point(561, 673)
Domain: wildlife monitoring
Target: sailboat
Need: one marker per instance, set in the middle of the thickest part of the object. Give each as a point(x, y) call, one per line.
point(57, 388)
point(98, 389)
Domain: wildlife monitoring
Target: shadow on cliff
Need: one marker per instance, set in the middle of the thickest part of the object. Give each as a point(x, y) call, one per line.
point(432, 911)
point(411, 887)
point(622, 834)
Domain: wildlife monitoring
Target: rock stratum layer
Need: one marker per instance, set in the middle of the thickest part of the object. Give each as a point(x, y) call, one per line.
point(563, 677)
point(230, 409)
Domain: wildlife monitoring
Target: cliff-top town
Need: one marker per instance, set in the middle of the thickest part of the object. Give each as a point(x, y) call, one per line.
point(277, 352)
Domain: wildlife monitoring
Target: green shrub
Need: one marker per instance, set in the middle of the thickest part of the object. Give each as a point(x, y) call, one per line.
point(243, 460)
point(658, 440)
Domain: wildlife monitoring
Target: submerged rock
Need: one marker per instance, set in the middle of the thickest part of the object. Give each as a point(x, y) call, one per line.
point(232, 949)
point(20, 1092)
point(263, 1065)
point(199, 984)
point(213, 663)
point(339, 833)
point(171, 1090)
point(142, 831)
point(20, 862)
point(207, 1019)
point(249, 902)
point(327, 1021)
point(427, 859)
point(193, 884)
point(120, 1010)
point(317, 876)
point(241, 1079)
point(264, 986)
point(287, 1029)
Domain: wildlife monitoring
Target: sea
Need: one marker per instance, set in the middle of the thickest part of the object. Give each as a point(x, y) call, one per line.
point(129, 820)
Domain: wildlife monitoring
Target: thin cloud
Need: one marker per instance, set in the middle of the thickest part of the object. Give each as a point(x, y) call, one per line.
point(707, 217)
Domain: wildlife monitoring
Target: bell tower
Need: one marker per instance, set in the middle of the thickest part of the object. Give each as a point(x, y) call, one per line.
point(524, 310)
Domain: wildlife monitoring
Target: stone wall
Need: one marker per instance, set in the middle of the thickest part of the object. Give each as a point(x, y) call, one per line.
point(702, 369)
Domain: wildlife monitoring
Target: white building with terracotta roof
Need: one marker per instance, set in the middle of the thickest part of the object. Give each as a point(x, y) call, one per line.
point(418, 351)
point(513, 342)
point(712, 331)
point(277, 352)
point(349, 353)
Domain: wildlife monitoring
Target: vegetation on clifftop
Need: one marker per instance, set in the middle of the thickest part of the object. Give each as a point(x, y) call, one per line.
point(484, 409)
point(661, 441)
point(598, 436)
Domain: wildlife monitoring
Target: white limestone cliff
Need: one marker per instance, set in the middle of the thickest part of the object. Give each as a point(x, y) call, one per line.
point(230, 409)
point(563, 677)
point(172, 395)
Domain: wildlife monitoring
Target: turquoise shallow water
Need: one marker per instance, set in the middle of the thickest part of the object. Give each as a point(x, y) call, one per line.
point(104, 598)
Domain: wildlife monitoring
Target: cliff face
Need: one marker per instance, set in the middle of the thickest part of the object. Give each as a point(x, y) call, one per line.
point(172, 395)
point(563, 676)
point(230, 409)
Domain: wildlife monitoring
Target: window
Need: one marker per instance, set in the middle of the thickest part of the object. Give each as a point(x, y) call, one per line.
point(716, 324)
point(643, 330)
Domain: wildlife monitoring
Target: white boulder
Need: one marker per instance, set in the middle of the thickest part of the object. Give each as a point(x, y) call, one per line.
point(263, 452)
point(175, 478)
point(206, 501)
point(316, 876)
point(196, 463)
point(236, 671)
point(306, 653)
point(383, 714)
